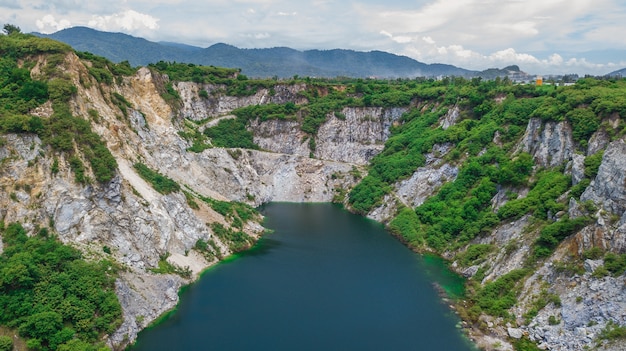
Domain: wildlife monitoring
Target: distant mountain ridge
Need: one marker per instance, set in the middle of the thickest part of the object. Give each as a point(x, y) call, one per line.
point(279, 61)
point(618, 73)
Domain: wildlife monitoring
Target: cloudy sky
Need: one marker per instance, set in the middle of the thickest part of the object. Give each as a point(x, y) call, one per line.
point(541, 36)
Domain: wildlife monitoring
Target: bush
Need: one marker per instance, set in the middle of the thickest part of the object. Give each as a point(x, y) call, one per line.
point(592, 164)
point(498, 296)
point(231, 133)
point(551, 235)
point(406, 226)
point(612, 331)
point(6, 343)
point(160, 183)
point(474, 254)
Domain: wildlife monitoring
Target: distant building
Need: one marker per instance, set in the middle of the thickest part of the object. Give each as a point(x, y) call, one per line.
point(539, 81)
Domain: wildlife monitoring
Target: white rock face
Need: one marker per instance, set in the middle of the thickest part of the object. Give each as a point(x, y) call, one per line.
point(550, 144)
point(218, 103)
point(608, 188)
point(284, 137)
point(577, 168)
point(357, 138)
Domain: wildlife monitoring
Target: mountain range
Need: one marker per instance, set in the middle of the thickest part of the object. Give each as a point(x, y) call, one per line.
point(279, 61)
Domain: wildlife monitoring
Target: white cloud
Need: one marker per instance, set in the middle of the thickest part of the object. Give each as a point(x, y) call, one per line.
point(256, 35)
point(400, 39)
point(129, 20)
point(48, 24)
point(428, 40)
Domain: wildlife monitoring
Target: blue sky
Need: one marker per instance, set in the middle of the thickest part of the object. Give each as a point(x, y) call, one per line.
point(541, 36)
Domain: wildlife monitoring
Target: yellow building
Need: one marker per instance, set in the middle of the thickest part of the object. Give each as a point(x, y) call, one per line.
point(539, 81)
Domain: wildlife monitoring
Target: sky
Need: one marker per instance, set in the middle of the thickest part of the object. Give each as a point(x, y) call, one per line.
point(540, 36)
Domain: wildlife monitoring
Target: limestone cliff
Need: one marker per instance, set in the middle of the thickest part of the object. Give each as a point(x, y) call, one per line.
point(126, 216)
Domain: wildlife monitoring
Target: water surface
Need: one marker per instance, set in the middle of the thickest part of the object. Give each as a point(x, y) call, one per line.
point(325, 279)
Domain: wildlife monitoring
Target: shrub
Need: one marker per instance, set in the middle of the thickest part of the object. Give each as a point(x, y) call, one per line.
point(474, 254)
point(498, 296)
point(231, 133)
point(592, 164)
point(160, 183)
point(6, 343)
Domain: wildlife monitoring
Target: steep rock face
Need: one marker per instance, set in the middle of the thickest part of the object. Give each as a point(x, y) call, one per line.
point(608, 189)
point(218, 103)
point(265, 177)
point(144, 298)
point(511, 234)
point(357, 138)
point(280, 136)
point(550, 144)
point(586, 305)
point(90, 217)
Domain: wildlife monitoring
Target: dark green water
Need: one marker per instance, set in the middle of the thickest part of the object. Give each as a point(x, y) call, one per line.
point(325, 279)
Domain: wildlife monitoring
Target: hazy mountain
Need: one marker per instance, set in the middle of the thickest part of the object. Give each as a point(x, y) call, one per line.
point(280, 61)
point(513, 72)
point(119, 47)
point(620, 73)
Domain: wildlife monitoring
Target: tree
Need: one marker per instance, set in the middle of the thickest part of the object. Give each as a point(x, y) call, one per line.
point(10, 29)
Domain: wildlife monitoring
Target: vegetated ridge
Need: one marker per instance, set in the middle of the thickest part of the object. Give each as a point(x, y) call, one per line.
point(154, 172)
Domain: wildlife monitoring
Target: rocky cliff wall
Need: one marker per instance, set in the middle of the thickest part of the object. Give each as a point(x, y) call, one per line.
point(218, 103)
point(586, 303)
point(136, 223)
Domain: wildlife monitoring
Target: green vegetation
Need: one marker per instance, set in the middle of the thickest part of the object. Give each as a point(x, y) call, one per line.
point(20, 93)
point(524, 344)
point(6, 343)
point(103, 70)
point(51, 295)
point(231, 133)
point(612, 331)
point(159, 182)
point(236, 240)
point(592, 164)
point(209, 249)
point(551, 235)
point(236, 213)
point(164, 267)
point(540, 302)
point(495, 298)
point(183, 72)
point(475, 254)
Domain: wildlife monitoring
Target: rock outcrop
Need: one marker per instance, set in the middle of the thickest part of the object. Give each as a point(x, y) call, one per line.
point(550, 143)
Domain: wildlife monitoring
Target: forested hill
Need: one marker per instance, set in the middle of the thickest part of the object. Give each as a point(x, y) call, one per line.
point(281, 62)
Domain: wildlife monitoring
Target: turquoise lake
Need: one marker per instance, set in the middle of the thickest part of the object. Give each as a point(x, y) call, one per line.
point(325, 279)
